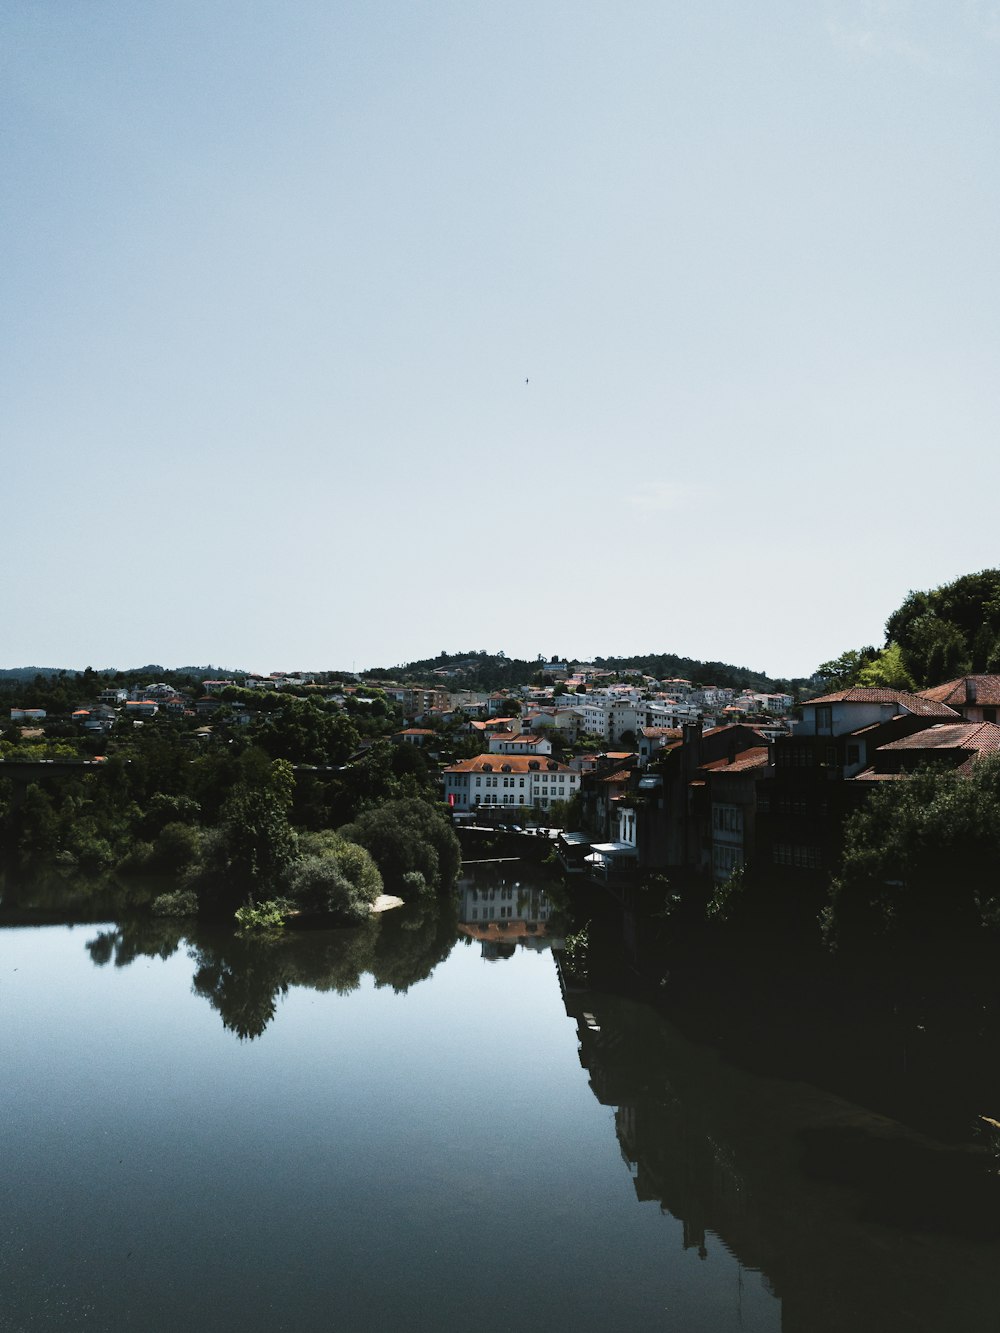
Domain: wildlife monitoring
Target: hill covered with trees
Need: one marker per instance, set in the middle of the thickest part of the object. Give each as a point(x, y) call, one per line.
point(495, 671)
point(934, 636)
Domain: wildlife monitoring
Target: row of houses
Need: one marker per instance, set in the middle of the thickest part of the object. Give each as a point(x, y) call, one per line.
point(716, 800)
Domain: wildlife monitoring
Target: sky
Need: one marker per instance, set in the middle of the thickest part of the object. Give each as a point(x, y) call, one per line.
point(341, 334)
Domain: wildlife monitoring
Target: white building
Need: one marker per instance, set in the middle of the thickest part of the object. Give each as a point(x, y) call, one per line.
point(501, 743)
point(521, 781)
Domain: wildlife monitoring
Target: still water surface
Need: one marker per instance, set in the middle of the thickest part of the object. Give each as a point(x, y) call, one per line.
point(413, 1126)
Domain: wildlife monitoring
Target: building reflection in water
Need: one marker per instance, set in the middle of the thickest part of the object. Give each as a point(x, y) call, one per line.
point(505, 913)
point(737, 1159)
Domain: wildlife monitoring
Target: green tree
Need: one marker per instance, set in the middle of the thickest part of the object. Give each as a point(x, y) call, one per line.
point(949, 630)
point(258, 842)
point(919, 859)
point(840, 673)
point(408, 835)
point(334, 876)
point(888, 670)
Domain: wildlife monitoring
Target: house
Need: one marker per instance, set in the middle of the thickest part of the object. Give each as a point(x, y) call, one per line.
point(653, 739)
point(521, 781)
point(732, 798)
point(801, 811)
point(217, 686)
point(564, 720)
point(977, 698)
point(671, 795)
point(956, 745)
point(414, 736)
point(501, 743)
point(141, 708)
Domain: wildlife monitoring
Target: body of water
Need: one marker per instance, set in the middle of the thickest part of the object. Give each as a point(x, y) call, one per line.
point(417, 1125)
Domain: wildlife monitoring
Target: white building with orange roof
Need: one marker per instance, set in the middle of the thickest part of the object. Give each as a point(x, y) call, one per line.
point(518, 781)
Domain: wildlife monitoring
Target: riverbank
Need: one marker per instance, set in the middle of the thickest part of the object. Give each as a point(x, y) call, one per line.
point(910, 1032)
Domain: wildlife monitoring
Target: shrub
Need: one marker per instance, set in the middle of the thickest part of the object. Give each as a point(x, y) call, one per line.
point(176, 847)
point(343, 881)
point(260, 918)
point(181, 902)
point(405, 836)
point(414, 885)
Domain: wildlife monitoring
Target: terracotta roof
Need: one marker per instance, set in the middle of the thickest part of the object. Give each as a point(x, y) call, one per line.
point(622, 775)
point(979, 736)
point(753, 758)
point(654, 733)
point(515, 763)
point(957, 693)
point(499, 931)
point(863, 694)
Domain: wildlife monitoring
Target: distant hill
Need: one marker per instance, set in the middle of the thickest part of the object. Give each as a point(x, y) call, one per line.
point(667, 666)
point(30, 672)
point(495, 671)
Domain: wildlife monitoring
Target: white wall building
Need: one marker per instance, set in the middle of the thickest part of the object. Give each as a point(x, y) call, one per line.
point(507, 744)
point(521, 781)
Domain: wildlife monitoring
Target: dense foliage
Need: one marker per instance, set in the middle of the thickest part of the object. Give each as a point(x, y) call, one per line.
point(950, 630)
point(412, 843)
point(920, 859)
point(934, 636)
point(237, 811)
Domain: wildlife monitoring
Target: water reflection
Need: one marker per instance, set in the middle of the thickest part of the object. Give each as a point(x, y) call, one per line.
point(503, 910)
point(243, 978)
point(851, 1219)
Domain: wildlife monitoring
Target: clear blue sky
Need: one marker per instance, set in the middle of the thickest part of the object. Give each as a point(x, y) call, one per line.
point(275, 275)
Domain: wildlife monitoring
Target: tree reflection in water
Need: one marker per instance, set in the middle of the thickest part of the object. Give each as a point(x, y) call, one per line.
point(242, 978)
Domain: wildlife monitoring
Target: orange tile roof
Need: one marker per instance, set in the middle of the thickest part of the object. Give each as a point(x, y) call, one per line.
point(514, 763)
point(862, 694)
point(983, 737)
point(753, 758)
point(882, 695)
point(956, 693)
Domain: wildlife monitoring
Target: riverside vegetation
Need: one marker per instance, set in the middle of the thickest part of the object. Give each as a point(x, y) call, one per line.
point(311, 807)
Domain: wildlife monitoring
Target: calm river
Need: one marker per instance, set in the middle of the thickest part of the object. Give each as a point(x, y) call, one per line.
point(415, 1126)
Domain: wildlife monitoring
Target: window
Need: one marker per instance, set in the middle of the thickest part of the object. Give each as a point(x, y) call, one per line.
point(794, 854)
point(824, 720)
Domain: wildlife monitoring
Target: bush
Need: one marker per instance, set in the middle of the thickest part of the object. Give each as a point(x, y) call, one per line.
point(260, 918)
point(181, 902)
point(136, 860)
point(176, 847)
point(338, 877)
point(414, 885)
point(407, 836)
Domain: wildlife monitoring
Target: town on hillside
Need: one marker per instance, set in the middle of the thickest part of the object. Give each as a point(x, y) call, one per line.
point(637, 774)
